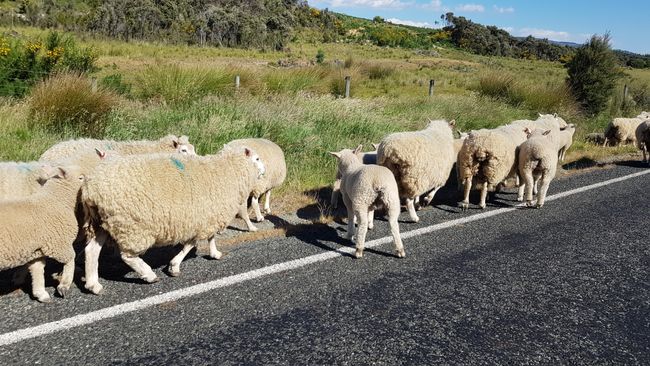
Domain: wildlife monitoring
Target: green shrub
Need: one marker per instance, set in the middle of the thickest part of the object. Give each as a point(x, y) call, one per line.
point(378, 72)
point(592, 74)
point(320, 56)
point(114, 82)
point(65, 101)
point(292, 81)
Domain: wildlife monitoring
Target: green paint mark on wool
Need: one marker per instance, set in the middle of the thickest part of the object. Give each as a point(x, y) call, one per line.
point(179, 164)
point(108, 146)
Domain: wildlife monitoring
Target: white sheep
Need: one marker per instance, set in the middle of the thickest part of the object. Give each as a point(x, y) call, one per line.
point(41, 226)
point(20, 179)
point(276, 172)
point(368, 158)
point(543, 121)
point(538, 158)
point(564, 139)
point(420, 160)
point(71, 148)
point(365, 188)
point(623, 130)
point(487, 158)
point(164, 199)
point(642, 134)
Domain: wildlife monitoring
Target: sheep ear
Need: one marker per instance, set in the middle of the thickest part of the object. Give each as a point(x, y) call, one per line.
point(539, 114)
point(375, 146)
point(335, 154)
point(175, 144)
point(248, 152)
point(358, 149)
point(546, 132)
point(554, 115)
point(101, 154)
point(184, 140)
point(452, 123)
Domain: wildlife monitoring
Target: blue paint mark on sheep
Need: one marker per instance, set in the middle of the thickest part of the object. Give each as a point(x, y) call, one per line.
point(109, 146)
point(25, 168)
point(179, 164)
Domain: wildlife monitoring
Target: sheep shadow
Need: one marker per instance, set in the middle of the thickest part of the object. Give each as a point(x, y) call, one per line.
point(633, 164)
point(582, 163)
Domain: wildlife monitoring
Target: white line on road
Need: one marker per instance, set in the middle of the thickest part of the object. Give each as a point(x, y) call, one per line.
point(113, 311)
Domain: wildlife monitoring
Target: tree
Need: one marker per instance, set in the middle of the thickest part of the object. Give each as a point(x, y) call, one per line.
point(592, 74)
point(377, 19)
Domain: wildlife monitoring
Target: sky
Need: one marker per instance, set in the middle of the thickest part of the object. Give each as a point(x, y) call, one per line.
point(559, 20)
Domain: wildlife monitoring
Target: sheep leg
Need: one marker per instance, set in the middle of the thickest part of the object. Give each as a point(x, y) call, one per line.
point(140, 267)
point(267, 202)
point(361, 234)
point(484, 192)
point(214, 252)
point(467, 183)
point(393, 214)
point(20, 276)
point(37, 271)
point(416, 203)
point(520, 190)
point(410, 206)
point(174, 268)
point(529, 182)
point(243, 213)
point(541, 196)
point(67, 276)
point(351, 217)
point(536, 185)
point(429, 197)
point(336, 192)
point(605, 143)
point(371, 219)
point(645, 150)
point(256, 207)
point(92, 250)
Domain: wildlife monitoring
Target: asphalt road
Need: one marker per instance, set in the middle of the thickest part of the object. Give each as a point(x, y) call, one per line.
point(565, 284)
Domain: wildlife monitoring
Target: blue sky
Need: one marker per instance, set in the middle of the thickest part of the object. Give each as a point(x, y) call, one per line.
point(560, 20)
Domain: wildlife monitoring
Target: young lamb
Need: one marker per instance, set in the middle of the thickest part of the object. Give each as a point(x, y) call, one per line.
point(276, 171)
point(643, 139)
point(564, 139)
point(365, 188)
point(68, 149)
point(164, 199)
point(538, 159)
point(420, 160)
point(368, 158)
point(41, 226)
point(623, 130)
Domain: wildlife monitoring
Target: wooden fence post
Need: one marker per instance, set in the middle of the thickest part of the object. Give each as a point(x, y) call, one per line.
point(432, 83)
point(347, 86)
point(624, 93)
point(236, 82)
point(93, 84)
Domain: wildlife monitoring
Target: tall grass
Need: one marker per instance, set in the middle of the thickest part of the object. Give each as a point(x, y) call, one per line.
point(293, 80)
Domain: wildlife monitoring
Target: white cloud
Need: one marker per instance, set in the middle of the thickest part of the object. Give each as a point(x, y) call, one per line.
point(471, 8)
point(376, 4)
point(412, 23)
point(547, 33)
point(433, 5)
point(500, 10)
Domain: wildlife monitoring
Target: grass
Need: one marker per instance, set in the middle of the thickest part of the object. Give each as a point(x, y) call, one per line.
point(190, 90)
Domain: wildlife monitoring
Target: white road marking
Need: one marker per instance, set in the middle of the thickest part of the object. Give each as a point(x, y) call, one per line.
point(113, 311)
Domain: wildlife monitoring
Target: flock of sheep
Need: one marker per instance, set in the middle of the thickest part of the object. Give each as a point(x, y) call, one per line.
point(135, 194)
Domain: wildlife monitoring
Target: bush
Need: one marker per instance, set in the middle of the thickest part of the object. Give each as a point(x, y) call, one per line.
point(114, 82)
point(320, 56)
point(26, 62)
point(593, 73)
point(65, 101)
point(377, 72)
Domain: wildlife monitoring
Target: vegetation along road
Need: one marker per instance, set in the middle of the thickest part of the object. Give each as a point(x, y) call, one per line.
point(565, 283)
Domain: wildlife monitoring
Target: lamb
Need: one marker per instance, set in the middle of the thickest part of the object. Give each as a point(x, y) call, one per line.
point(488, 157)
point(420, 160)
point(143, 200)
point(365, 188)
point(276, 171)
point(368, 158)
point(642, 134)
point(538, 157)
point(169, 143)
point(623, 130)
point(564, 139)
point(52, 208)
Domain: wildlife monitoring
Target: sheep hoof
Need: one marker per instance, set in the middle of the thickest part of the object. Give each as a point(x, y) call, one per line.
point(370, 227)
point(464, 206)
point(400, 253)
point(62, 290)
point(216, 255)
point(259, 219)
point(267, 211)
point(539, 205)
point(252, 229)
point(358, 253)
point(415, 219)
point(172, 272)
point(95, 289)
point(43, 297)
point(530, 204)
point(152, 279)
point(520, 199)
point(482, 206)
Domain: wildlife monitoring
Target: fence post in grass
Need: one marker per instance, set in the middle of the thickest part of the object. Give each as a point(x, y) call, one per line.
point(347, 86)
point(236, 82)
point(624, 93)
point(432, 83)
point(93, 84)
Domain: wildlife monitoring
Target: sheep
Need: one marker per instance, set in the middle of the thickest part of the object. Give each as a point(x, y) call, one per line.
point(365, 188)
point(368, 158)
point(564, 139)
point(420, 160)
point(164, 199)
point(623, 130)
point(276, 171)
point(642, 134)
point(596, 138)
point(538, 158)
point(52, 210)
point(488, 157)
point(544, 121)
point(169, 143)
point(19, 179)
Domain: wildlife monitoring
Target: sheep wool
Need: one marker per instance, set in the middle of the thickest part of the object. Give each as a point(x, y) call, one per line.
point(52, 208)
point(623, 130)
point(276, 172)
point(642, 134)
point(164, 199)
point(365, 188)
point(368, 158)
point(19, 179)
point(71, 148)
point(538, 157)
point(420, 160)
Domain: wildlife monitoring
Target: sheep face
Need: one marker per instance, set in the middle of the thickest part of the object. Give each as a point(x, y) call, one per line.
point(256, 161)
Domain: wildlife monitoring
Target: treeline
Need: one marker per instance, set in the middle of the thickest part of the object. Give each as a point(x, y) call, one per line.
point(633, 59)
point(229, 23)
